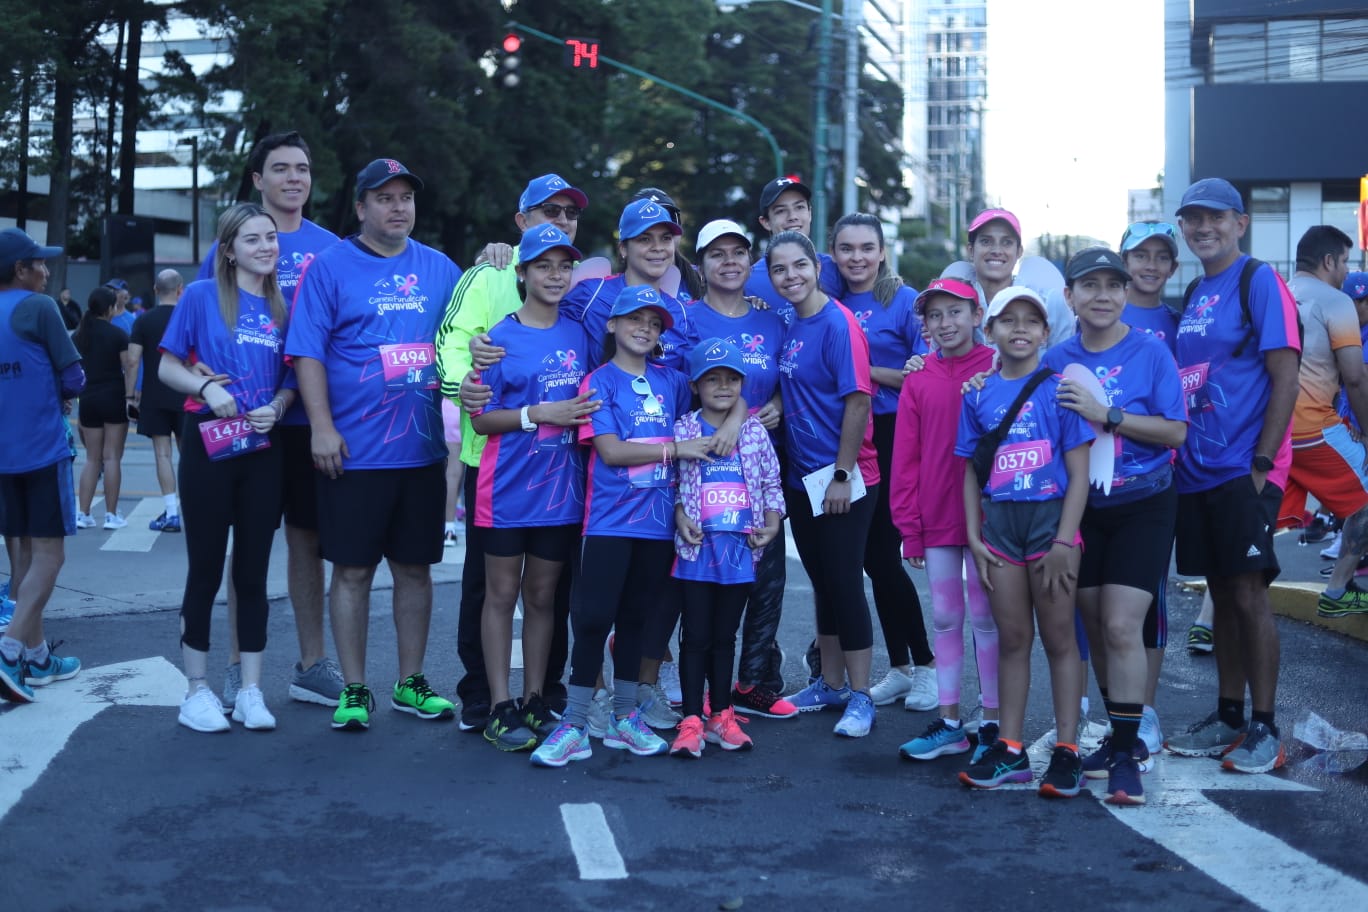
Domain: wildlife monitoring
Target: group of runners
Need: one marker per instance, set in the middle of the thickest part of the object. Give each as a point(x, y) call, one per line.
point(635, 434)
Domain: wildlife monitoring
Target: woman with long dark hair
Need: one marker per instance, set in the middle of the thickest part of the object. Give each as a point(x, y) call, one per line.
point(103, 410)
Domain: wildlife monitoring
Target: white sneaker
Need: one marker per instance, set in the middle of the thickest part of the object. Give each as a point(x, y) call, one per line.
point(1150, 732)
point(1333, 551)
point(85, 521)
point(203, 712)
point(669, 682)
point(250, 709)
point(925, 693)
point(113, 521)
point(974, 718)
point(654, 708)
point(894, 686)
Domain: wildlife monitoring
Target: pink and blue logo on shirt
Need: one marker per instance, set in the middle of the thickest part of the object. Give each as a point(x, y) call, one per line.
point(1107, 377)
point(788, 361)
point(863, 317)
point(752, 344)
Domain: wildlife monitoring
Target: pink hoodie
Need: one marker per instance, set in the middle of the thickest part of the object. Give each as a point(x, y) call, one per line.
point(931, 515)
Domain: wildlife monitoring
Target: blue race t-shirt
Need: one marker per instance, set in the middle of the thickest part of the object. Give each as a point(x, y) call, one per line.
point(533, 478)
point(591, 301)
point(372, 322)
point(1227, 393)
point(633, 501)
point(759, 286)
point(825, 359)
point(759, 334)
point(1029, 463)
point(252, 354)
point(894, 333)
point(725, 556)
point(1139, 377)
point(1160, 322)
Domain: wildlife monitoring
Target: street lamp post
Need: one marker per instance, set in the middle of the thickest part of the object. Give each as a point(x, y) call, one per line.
point(193, 143)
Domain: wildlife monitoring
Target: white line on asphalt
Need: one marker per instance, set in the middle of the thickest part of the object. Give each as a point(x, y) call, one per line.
point(32, 736)
point(592, 842)
point(136, 536)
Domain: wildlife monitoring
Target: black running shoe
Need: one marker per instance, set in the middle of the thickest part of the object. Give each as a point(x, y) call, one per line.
point(538, 716)
point(1064, 777)
point(506, 729)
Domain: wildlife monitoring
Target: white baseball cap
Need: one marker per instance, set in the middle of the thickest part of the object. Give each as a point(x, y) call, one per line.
point(1016, 293)
point(716, 229)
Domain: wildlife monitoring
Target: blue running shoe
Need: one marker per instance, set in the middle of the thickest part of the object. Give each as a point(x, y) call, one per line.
point(996, 766)
point(817, 696)
point(858, 717)
point(938, 740)
point(12, 686)
point(563, 745)
point(1123, 781)
point(165, 523)
point(56, 668)
point(987, 734)
point(633, 734)
point(6, 614)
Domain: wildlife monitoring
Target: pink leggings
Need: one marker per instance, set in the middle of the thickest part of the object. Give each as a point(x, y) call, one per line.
point(951, 571)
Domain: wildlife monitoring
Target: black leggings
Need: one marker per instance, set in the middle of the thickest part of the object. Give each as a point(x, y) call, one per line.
point(832, 547)
point(618, 587)
point(760, 657)
point(242, 493)
point(712, 612)
point(895, 597)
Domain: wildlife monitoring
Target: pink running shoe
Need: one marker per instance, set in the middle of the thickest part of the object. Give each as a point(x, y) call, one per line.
point(724, 729)
point(689, 741)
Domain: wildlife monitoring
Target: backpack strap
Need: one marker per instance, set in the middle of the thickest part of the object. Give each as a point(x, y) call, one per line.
point(1247, 271)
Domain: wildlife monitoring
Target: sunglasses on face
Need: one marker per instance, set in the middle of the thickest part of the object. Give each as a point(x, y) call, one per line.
point(553, 211)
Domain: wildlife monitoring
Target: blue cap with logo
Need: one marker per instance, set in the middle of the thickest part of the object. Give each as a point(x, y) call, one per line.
point(640, 215)
point(1356, 285)
point(16, 246)
point(641, 297)
point(382, 171)
point(538, 239)
point(712, 353)
point(541, 189)
point(1212, 193)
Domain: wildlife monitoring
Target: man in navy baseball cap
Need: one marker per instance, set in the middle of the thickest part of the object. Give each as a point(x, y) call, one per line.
point(382, 171)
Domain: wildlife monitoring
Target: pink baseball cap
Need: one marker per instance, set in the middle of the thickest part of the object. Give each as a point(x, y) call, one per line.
point(988, 215)
point(962, 290)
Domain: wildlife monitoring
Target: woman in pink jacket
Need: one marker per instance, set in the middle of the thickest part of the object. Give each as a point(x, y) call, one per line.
point(926, 497)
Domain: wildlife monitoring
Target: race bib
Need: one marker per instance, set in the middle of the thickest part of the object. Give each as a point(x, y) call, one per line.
point(655, 474)
point(225, 438)
point(551, 437)
point(1012, 461)
point(725, 506)
point(411, 365)
point(1194, 387)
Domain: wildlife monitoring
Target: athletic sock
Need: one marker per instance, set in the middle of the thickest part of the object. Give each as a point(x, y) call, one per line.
point(1267, 719)
point(37, 655)
point(11, 648)
point(451, 527)
point(952, 724)
point(1231, 712)
point(577, 700)
point(624, 697)
point(1013, 747)
point(1334, 593)
point(172, 503)
point(1125, 720)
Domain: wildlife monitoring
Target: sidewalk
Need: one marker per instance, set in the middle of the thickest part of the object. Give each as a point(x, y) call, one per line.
point(1296, 589)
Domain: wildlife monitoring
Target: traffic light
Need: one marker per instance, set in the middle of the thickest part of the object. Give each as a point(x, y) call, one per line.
point(507, 75)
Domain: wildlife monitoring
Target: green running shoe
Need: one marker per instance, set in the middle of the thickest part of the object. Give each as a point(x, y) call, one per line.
point(353, 708)
point(413, 695)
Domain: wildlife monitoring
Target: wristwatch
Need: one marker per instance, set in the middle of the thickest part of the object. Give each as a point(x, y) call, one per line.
point(527, 423)
point(840, 475)
point(1262, 463)
point(1114, 418)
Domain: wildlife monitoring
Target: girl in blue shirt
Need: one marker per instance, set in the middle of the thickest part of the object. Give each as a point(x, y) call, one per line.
point(1022, 524)
point(230, 468)
point(530, 493)
point(884, 308)
point(628, 524)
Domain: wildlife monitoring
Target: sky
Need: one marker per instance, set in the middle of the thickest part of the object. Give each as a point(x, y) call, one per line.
point(1075, 112)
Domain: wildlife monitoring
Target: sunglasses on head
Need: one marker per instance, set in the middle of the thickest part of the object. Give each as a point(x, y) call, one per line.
point(554, 210)
point(1138, 231)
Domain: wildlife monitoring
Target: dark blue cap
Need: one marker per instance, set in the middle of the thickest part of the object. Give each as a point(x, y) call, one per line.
point(382, 171)
point(641, 297)
point(1212, 193)
point(712, 353)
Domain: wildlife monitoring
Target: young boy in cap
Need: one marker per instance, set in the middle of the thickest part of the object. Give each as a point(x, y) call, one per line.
point(785, 205)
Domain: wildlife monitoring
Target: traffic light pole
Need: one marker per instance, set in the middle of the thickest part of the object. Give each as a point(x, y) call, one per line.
point(666, 84)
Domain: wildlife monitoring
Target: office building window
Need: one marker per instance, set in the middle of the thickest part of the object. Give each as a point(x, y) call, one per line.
point(1344, 50)
point(1292, 51)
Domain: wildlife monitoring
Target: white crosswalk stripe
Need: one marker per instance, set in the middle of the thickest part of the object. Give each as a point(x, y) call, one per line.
point(136, 536)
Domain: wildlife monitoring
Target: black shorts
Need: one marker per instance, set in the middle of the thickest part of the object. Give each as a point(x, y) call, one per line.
point(301, 478)
point(154, 421)
point(367, 514)
point(1228, 530)
point(103, 407)
point(550, 543)
point(38, 504)
point(1129, 544)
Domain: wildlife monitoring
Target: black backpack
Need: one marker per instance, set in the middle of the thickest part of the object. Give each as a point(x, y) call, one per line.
point(1247, 271)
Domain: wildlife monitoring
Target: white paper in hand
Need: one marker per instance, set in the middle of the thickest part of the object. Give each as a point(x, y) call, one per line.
point(815, 483)
point(1102, 455)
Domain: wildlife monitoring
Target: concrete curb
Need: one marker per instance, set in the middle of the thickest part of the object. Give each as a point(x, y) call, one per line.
point(1298, 601)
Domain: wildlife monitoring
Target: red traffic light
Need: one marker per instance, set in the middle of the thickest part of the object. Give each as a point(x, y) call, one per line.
point(512, 43)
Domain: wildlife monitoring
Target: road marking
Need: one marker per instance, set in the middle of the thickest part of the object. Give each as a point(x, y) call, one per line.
point(31, 737)
point(136, 536)
point(1178, 816)
point(592, 842)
